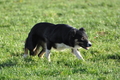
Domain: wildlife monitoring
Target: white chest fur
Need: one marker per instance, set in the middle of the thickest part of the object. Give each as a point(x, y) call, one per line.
point(61, 46)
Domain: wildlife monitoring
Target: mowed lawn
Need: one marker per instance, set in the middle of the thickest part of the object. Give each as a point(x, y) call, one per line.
point(101, 20)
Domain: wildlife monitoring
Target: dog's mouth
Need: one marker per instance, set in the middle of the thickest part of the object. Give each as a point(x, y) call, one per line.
point(86, 47)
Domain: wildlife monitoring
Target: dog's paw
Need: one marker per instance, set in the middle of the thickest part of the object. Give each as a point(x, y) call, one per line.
point(25, 55)
point(49, 60)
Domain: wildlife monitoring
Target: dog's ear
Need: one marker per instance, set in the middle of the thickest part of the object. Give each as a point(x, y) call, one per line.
point(81, 29)
point(73, 32)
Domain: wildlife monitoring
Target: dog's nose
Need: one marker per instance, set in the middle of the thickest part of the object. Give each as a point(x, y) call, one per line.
point(90, 45)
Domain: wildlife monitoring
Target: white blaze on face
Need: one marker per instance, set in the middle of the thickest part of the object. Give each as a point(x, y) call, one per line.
point(89, 43)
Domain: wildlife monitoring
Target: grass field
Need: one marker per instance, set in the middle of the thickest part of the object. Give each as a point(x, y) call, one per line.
point(100, 18)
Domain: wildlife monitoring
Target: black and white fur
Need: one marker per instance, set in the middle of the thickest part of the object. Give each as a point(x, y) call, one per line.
point(58, 36)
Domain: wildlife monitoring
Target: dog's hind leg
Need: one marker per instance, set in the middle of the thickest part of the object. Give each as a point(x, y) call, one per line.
point(42, 52)
point(36, 50)
point(48, 54)
point(49, 46)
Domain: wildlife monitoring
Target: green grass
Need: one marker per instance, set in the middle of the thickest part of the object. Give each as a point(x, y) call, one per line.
point(100, 18)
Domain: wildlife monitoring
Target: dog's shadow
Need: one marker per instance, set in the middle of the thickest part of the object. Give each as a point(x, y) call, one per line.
point(7, 64)
point(12, 60)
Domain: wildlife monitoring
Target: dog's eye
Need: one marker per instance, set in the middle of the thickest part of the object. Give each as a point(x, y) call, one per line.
point(82, 38)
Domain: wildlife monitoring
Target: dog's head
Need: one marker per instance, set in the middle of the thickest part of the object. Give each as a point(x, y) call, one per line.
point(81, 39)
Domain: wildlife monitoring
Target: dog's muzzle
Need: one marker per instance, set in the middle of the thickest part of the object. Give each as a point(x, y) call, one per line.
point(89, 45)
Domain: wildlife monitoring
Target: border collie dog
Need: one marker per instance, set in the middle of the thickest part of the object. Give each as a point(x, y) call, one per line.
point(58, 36)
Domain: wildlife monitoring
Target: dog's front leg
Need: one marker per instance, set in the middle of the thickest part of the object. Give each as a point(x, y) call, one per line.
point(77, 53)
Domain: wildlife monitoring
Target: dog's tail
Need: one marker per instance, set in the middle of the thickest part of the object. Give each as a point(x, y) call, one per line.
point(30, 44)
point(25, 52)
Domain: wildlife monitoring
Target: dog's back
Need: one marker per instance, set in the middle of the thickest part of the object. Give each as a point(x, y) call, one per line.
point(40, 28)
